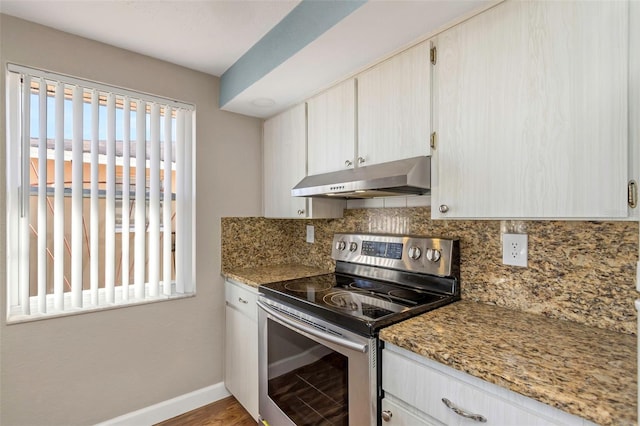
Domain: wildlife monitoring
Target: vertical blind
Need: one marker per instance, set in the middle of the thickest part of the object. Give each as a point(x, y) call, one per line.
point(100, 184)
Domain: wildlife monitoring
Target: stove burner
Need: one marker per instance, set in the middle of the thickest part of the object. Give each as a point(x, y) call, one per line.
point(366, 285)
point(341, 299)
point(307, 286)
point(374, 286)
point(405, 294)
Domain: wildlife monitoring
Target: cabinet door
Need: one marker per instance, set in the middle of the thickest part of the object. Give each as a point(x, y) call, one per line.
point(331, 120)
point(634, 97)
point(241, 359)
point(241, 346)
point(530, 109)
point(284, 141)
point(394, 113)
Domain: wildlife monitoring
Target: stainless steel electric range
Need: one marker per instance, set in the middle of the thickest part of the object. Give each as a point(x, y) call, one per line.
point(318, 336)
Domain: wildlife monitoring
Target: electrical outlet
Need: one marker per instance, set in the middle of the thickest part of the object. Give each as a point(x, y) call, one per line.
point(514, 249)
point(310, 234)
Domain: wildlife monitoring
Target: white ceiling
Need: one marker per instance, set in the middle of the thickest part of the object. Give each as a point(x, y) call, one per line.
point(211, 35)
point(366, 36)
point(207, 36)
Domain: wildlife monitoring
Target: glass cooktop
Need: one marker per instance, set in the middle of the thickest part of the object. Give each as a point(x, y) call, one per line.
point(356, 303)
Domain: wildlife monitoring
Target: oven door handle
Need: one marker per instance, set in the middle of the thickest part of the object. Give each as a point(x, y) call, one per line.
point(300, 326)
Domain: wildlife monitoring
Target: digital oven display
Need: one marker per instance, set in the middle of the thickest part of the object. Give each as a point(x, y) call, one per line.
point(380, 249)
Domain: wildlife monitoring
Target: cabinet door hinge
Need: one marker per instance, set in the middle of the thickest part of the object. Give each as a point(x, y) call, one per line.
point(433, 140)
point(434, 55)
point(632, 194)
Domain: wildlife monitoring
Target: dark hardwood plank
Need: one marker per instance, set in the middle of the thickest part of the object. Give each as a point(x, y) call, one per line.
point(226, 412)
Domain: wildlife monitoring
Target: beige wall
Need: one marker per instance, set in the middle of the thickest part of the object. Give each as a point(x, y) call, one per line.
point(89, 368)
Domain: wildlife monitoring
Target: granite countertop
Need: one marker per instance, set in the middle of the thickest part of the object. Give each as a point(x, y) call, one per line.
point(586, 371)
point(269, 274)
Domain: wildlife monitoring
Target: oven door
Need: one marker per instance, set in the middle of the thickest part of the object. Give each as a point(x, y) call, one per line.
point(312, 372)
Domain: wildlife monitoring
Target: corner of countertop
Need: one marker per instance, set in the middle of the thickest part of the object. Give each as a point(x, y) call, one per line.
point(259, 275)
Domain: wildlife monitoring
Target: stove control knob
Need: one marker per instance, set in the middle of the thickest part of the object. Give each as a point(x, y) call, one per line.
point(341, 245)
point(433, 255)
point(353, 246)
point(414, 252)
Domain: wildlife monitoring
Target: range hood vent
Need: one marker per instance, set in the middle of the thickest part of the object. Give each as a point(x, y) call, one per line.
point(403, 177)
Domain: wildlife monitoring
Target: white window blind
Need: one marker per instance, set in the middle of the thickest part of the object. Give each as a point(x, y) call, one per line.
point(100, 196)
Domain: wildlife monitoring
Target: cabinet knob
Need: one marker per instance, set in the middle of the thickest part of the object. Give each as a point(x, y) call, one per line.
point(443, 208)
point(361, 160)
point(386, 415)
point(348, 163)
point(300, 212)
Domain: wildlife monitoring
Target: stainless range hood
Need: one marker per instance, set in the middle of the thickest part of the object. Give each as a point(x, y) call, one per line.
point(403, 177)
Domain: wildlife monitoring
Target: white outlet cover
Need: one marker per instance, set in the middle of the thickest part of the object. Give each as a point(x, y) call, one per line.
point(514, 249)
point(310, 234)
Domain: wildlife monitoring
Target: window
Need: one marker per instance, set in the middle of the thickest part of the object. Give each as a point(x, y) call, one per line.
point(100, 205)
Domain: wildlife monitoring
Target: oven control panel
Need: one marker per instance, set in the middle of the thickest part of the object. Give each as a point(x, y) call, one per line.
point(436, 256)
point(382, 249)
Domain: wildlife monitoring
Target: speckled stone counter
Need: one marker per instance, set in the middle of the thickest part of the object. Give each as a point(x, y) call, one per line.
point(580, 271)
point(268, 274)
point(586, 371)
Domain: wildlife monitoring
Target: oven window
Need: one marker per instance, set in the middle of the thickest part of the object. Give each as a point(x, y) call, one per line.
point(307, 380)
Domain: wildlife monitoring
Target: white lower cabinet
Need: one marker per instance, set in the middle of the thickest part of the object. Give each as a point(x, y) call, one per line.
point(415, 389)
point(395, 413)
point(241, 345)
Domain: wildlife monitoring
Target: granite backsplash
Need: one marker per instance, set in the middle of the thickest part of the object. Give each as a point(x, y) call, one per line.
point(581, 271)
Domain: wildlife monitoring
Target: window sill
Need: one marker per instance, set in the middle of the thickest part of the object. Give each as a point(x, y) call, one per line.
point(16, 316)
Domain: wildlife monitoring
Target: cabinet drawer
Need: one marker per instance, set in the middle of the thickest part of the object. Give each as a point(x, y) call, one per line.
point(401, 416)
point(424, 388)
point(242, 297)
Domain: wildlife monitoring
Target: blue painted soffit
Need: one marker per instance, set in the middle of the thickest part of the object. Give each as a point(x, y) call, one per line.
point(306, 22)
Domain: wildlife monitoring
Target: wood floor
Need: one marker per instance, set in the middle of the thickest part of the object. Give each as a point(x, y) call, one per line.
point(226, 412)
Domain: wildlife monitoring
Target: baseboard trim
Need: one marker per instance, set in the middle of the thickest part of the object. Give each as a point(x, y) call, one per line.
point(171, 407)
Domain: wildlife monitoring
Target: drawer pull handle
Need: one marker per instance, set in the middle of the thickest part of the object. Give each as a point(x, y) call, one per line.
point(241, 300)
point(461, 412)
point(386, 415)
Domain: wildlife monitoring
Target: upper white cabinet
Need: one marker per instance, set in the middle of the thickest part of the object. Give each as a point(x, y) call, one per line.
point(530, 109)
point(634, 95)
point(332, 129)
point(285, 155)
point(386, 116)
point(394, 108)
point(284, 139)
